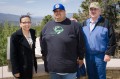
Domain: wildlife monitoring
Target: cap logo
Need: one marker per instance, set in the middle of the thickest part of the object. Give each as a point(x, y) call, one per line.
point(57, 6)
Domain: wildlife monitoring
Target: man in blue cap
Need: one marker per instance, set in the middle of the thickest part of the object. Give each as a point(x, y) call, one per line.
point(62, 44)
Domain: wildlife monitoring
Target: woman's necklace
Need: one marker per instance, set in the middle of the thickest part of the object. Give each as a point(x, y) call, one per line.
point(29, 39)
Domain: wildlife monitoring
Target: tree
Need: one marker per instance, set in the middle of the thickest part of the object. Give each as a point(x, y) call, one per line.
point(108, 10)
point(42, 24)
point(76, 16)
point(84, 14)
point(7, 30)
point(46, 19)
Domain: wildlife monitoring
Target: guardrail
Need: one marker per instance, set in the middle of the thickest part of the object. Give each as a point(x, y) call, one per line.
point(113, 67)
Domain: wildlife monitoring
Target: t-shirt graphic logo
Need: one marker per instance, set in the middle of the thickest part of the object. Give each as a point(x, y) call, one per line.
point(58, 29)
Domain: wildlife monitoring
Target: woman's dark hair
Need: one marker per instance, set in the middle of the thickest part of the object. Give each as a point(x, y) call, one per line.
point(23, 16)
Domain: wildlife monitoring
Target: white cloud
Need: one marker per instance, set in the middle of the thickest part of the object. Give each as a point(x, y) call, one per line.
point(2, 2)
point(13, 10)
point(66, 1)
point(30, 1)
point(19, 10)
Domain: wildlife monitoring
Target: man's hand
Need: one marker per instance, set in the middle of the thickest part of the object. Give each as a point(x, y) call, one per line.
point(107, 58)
point(80, 62)
point(73, 19)
point(17, 75)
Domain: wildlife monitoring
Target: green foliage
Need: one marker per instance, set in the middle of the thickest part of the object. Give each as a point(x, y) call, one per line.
point(108, 10)
point(76, 16)
point(37, 29)
point(42, 24)
point(6, 30)
point(82, 14)
point(111, 13)
point(46, 19)
point(85, 5)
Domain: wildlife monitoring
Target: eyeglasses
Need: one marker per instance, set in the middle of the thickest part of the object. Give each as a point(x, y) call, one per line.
point(91, 9)
point(26, 22)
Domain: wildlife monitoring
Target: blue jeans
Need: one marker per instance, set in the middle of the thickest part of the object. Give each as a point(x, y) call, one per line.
point(96, 66)
point(58, 76)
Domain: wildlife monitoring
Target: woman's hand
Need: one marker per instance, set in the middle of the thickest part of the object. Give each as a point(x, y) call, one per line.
point(17, 75)
point(80, 62)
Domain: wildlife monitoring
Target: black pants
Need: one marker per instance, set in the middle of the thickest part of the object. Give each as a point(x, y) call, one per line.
point(45, 65)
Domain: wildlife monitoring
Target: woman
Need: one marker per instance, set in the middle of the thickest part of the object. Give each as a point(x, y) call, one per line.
point(22, 50)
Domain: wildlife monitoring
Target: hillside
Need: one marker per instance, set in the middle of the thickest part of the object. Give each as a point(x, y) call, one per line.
point(14, 19)
point(11, 18)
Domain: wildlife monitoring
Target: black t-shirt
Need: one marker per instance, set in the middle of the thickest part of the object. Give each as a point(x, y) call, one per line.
point(62, 43)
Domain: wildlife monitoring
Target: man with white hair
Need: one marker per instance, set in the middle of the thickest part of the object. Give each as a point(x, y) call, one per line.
point(100, 42)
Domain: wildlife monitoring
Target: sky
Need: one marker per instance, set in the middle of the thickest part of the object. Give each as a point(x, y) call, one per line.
point(37, 7)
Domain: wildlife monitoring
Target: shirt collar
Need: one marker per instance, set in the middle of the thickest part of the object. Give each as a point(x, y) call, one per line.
point(96, 20)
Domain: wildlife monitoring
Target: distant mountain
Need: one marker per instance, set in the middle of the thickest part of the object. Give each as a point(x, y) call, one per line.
point(11, 18)
point(14, 19)
point(36, 20)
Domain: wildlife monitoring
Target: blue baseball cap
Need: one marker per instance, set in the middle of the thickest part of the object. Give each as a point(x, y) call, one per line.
point(58, 6)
